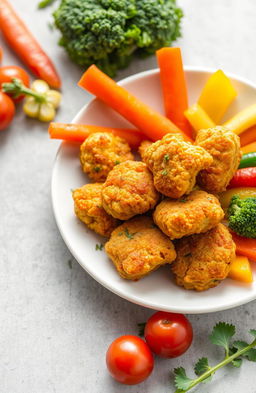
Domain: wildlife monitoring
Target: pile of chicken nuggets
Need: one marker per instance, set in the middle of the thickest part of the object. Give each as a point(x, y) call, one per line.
point(163, 209)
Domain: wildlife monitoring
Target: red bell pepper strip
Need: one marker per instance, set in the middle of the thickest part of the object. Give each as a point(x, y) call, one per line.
point(25, 45)
point(245, 177)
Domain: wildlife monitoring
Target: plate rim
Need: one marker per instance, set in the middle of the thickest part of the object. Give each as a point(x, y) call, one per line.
point(133, 298)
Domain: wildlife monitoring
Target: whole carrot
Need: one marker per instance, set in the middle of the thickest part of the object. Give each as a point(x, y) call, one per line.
point(25, 45)
point(79, 132)
point(146, 119)
point(174, 87)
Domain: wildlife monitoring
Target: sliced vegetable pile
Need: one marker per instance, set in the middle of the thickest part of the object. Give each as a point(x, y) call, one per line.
point(40, 102)
point(129, 358)
point(216, 97)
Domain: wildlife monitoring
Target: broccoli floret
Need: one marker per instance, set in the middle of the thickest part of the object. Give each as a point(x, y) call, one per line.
point(109, 32)
point(242, 216)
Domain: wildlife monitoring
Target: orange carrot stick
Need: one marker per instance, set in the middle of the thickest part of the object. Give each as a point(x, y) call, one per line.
point(248, 136)
point(174, 87)
point(79, 132)
point(146, 119)
point(251, 148)
point(25, 45)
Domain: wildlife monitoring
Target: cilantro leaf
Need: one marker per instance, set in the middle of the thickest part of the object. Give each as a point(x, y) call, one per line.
point(201, 367)
point(253, 332)
point(182, 382)
point(250, 354)
point(221, 335)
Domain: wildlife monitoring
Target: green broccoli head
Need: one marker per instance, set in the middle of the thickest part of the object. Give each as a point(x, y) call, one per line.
point(109, 32)
point(242, 216)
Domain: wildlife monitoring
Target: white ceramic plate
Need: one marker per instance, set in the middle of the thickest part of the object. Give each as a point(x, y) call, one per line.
point(158, 290)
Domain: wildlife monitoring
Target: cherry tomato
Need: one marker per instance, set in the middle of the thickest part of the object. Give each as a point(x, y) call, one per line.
point(1, 54)
point(7, 73)
point(129, 360)
point(7, 110)
point(168, 335)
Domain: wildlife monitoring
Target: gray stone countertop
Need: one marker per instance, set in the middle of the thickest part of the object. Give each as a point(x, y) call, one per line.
point(55, 320)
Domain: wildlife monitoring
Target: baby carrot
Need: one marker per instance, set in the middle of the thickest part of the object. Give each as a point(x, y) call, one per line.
point(25, 45)
point(174, 87)
point(251, 148)
point(79, 132)
point(248, 136)
point(146, 119)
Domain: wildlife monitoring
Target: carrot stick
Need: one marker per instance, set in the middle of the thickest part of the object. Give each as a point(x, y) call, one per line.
point(251, 148)
point(146, 119)
point(25, 45)
point(79, 132)
point(245, 246)
point(248, 136)
point(174, 87)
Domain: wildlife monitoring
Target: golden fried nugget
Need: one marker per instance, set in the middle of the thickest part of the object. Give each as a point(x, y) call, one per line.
point(196, 213)
point(137, 248)
point(224, 147)
point(88, 208)
point(143, 147)
point(175, 164)
point(100, 152)
point(129, 190)
point(204, 260)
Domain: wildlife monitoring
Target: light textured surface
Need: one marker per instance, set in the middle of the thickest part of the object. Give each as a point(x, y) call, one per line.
point(56, 321)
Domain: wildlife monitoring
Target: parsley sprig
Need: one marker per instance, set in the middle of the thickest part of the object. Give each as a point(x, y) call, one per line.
point(234, 355)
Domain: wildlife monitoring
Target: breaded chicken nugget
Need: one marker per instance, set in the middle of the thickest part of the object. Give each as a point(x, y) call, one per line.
point(203, 261)
point(224, 147)
point(137, 248)
point(100, 152)
point(196, 213)
point(143, 147)
point(175, 164)
point(129, 190)
point(88, 208)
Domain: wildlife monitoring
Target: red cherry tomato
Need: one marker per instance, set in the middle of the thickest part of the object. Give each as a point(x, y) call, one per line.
point(168, 335)
point(129, 360)
point(7, 110)
point(7, 73)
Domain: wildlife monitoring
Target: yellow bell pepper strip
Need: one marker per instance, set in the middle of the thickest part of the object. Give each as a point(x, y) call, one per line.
point(251, 148)
point(198, 118)
point(217, 95)
point(240, 270)
point(226, 196)
point(242, 120)
point(40, 102)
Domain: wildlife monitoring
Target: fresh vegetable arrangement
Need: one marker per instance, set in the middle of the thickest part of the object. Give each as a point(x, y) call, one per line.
point(130, 361)
point(180, 120)
point(110, 33)
point(25, 45)
point(41, 102)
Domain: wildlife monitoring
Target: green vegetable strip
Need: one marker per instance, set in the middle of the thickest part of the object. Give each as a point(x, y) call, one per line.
point(248, 160)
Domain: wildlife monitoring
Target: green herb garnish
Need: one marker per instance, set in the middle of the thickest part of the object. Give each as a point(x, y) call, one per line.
point(234, 355)
point(165, 172)
point(99, 247)
point(97, 169)
point(166, 158)
point(128, 234)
